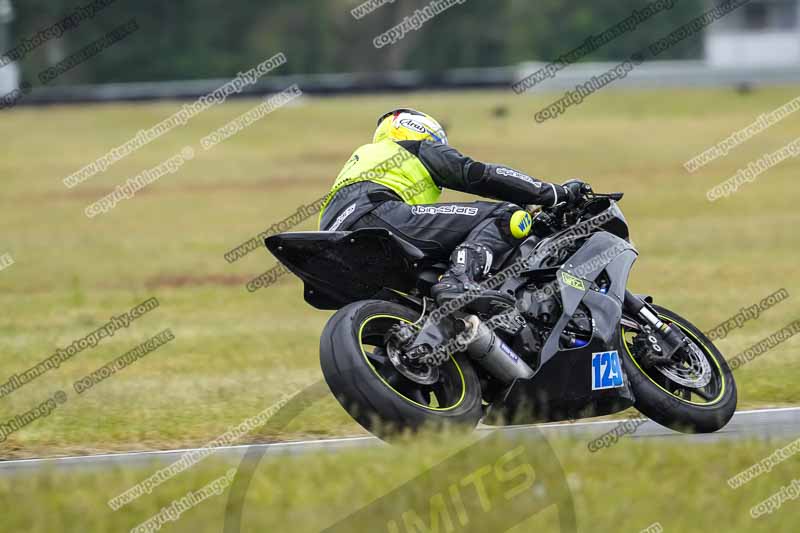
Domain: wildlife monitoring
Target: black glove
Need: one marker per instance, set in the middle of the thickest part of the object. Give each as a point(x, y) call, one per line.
point(576, 190)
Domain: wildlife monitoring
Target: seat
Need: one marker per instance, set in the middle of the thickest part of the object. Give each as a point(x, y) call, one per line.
point(340, 267)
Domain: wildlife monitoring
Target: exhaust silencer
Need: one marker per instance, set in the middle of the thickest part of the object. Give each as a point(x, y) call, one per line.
point(489, 351)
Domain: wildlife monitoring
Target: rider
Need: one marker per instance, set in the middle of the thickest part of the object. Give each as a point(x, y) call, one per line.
point(395, 181)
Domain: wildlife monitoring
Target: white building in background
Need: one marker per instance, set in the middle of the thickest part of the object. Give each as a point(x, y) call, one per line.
point(9, 75)
point(762, 33)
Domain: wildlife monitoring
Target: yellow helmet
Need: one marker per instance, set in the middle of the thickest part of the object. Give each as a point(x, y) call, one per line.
point(409, 125)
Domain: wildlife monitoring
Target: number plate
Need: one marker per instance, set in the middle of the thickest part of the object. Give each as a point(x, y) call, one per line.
point(606, 371)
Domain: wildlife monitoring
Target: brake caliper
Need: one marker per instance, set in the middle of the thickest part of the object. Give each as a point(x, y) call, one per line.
point(409, 358)
point(648, 350)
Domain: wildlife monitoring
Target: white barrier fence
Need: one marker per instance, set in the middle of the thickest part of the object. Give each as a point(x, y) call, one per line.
point(653, 74)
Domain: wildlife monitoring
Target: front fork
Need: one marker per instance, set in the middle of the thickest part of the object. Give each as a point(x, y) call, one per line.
point(671, 337)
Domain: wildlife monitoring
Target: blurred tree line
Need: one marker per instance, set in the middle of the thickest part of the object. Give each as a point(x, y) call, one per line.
point(189, 39)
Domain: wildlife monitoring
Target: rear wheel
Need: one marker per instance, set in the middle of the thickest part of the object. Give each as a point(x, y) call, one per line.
point(695, 393)
point(361, 375)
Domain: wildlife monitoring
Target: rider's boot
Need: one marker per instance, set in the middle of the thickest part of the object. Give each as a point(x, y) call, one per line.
point(460, 285)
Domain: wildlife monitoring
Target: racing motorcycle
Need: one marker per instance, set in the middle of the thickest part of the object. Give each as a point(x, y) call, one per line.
point(554, 334)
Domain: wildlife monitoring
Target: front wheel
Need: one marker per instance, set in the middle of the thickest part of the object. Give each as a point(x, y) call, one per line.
point(361, 375)
point(695, 394)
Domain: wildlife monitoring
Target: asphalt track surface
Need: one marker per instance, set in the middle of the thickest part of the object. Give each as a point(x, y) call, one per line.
point(782, 424)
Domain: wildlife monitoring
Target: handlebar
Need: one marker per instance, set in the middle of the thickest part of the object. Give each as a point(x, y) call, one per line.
point(616, 196)
point(562, 215)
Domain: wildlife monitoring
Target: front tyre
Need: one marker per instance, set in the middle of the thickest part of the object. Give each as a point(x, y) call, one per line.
point(662, 393)
point(381, 399)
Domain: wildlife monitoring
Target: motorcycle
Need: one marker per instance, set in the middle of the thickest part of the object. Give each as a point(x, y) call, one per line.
point(554, 334)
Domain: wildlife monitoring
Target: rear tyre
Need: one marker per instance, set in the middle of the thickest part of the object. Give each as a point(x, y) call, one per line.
point(671, 404)
point(367, 385)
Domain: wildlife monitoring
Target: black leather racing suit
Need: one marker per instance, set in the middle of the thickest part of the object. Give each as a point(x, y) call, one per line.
point(438, 229)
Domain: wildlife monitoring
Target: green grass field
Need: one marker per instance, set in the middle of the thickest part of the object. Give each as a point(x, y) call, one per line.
point(236, 352)
point(626, 488)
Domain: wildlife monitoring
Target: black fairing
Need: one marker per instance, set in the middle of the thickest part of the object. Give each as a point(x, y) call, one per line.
point(338, 268)
point(562, 390)
point(617, 266)
point(604, 216)
point(614, 220)
point(561, 387)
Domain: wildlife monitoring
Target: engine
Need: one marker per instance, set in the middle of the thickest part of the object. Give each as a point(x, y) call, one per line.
point(541, 307)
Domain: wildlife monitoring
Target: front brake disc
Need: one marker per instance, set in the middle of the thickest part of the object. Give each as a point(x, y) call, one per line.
point(692, 370)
